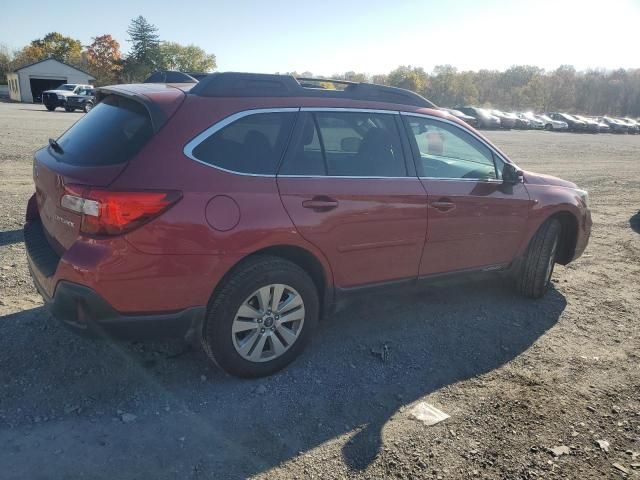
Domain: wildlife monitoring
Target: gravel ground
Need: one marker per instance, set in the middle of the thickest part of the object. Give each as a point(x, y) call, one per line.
point(518, 378)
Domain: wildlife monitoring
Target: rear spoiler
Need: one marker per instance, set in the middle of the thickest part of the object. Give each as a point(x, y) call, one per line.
point(160, 100)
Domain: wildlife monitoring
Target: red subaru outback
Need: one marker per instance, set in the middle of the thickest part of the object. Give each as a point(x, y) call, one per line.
point(238, 209)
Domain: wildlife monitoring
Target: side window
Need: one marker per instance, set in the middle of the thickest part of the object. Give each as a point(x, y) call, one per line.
point(447, 151)
point(350, 144)
point(251, 144)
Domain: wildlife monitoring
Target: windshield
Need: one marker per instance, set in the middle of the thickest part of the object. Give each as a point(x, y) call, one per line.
point(66, 86)
point(545, 118)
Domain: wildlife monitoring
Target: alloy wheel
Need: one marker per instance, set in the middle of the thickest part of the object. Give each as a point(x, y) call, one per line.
point(268, 323)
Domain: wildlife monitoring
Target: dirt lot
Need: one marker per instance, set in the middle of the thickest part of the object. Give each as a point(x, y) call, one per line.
point(518, 377)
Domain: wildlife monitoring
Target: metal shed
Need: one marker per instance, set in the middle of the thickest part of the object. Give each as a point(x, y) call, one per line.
point(27, 83)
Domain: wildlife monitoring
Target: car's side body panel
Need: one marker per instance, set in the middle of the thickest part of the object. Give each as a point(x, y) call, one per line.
point(176, 261)
point(484, 226)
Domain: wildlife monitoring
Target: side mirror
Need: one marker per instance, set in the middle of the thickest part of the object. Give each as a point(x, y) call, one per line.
point(511, 174)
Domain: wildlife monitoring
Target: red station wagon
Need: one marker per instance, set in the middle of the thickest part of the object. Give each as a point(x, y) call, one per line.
point(239, 209)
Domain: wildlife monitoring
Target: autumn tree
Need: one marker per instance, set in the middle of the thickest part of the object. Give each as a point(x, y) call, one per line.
point(104, 59)
point(411, 78)
point(190, 58)
point(5, 61)
point(52, 45)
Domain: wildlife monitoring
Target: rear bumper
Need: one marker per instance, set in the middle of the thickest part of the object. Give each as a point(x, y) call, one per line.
point(86, 310)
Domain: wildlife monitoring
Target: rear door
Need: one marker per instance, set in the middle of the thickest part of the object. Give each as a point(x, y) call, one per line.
point(94, 151)
point(475, 220)
point(351, 191)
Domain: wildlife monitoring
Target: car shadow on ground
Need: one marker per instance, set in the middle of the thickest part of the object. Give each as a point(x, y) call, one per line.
point(634, 222)
point(193, 418)
point(10, 237)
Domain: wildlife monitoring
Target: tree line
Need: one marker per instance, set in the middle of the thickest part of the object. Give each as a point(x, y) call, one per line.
point(521, 87)
point(103, 58)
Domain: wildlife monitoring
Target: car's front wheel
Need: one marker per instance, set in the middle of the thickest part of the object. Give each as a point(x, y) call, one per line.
point(51, 108)
point(261, 317)
point(535, 271)
point(87, 107)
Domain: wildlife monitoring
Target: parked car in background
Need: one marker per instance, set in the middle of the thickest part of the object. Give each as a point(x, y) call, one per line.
point(484, 117)
point(552, 124)
point(84, 100)
point(574, 124)
point(58, 97)
point(602, 127)
point(522, 123)
point(534, 122)
point(507, 120)
point(592, 126)
point(145, 220)
point(634, 127)
point(473, 121)
point(615, 125)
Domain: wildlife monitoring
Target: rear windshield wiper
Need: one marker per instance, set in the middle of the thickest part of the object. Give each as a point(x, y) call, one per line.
point(55, 145)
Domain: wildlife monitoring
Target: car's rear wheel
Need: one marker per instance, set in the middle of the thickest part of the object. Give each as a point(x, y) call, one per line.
point(261, 317)
point(535, 271)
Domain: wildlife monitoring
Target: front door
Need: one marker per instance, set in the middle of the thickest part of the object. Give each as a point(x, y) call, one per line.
point(475, 220)
point(350, 191)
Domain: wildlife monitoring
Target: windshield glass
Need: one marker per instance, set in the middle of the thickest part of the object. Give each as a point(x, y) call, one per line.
point(66, 86)
point(545, 118)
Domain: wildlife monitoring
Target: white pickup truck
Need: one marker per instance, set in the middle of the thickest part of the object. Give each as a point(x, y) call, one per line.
point(58, 97)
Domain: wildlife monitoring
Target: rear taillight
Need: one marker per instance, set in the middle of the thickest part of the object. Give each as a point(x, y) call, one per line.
point(106, 212)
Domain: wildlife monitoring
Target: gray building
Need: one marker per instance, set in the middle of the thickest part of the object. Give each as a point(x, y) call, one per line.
point(27, 83)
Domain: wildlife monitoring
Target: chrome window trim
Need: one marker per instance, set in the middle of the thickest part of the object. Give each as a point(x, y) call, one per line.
point(352, 177)
point(219, 125)
point(476, 136)
point(475, 180)
point(347, 109)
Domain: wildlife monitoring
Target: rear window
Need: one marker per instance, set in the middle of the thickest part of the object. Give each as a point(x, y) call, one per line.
point(253, 144)
point(111, 133)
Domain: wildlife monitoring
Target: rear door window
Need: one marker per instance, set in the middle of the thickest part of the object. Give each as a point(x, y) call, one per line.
point(113, 132)
point(253, 144)
point(346, 144)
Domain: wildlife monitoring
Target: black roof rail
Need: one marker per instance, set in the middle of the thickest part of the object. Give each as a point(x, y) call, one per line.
point(235, 84)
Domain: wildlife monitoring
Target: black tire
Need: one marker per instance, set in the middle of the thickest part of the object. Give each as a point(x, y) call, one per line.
point(249, 276)
point(537, 265)
point(51, 108)
point(548, 127)
point(87, 107)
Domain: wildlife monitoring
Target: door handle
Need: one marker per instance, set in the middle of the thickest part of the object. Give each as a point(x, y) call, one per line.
point(444, 205)
point(320, 204)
